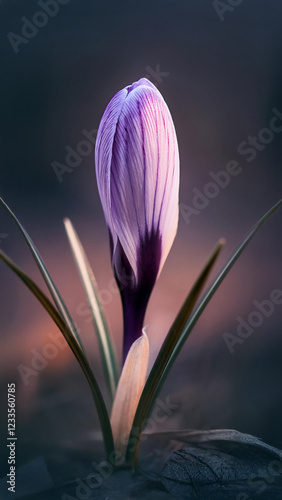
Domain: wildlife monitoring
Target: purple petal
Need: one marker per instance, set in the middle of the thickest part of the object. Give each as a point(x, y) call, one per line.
point(137, 167)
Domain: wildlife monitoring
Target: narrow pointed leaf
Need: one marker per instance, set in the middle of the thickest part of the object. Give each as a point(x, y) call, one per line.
point(76, 349)
point(47, 278)
point(130, 386)
point(220, 277)
point(164, 357)
point(39, 294)
point(151, 389)
point(90, 286)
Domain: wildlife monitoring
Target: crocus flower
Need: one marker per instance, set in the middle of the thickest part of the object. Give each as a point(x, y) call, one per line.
point(137, 168)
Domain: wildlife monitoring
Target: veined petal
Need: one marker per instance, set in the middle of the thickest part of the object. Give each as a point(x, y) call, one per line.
point(104, 150)
point(137, 167)
point(140, 183)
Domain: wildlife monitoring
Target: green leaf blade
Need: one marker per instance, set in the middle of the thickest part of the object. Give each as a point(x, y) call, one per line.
point(89, 283)
point(46, 276)
point(164, 358)
point(220, 277)
point(76, 349)
point(152, 387)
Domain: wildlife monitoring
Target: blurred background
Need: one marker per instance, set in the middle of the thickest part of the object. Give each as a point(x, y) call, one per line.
point(219, 70)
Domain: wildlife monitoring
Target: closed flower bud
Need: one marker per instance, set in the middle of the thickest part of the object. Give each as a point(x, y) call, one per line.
point(137, 168)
